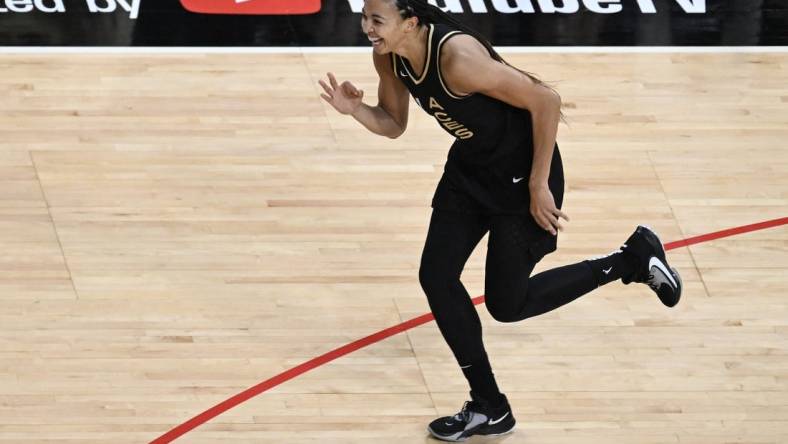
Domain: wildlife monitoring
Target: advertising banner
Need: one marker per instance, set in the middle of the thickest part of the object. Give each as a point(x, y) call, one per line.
point(337, 22)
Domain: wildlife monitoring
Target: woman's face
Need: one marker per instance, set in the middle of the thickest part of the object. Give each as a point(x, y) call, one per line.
point(383, 25)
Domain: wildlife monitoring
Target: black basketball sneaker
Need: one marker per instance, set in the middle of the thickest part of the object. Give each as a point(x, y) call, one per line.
point(477, 417)
point(652, 267)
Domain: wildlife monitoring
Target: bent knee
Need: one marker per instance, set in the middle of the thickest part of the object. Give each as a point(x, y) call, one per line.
point(427, 277)
point(506, 307)
point(433, 278)
point(503, 314)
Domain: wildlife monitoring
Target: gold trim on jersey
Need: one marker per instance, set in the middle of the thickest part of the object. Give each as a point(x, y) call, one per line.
point(426, 64)
point(440, 76)
point(394, 63)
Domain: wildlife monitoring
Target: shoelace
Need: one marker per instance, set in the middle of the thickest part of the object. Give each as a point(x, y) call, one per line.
point(464, 414)
point(651, 283)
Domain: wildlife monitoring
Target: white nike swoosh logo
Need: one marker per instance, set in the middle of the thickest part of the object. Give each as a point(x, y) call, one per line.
point(655, 262)
point(491, 422)
point(607, 271)
point(515, 180)
point(403, 74)
point(466, 366)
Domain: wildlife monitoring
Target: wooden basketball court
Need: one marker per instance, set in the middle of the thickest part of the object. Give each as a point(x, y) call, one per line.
point(179, 227)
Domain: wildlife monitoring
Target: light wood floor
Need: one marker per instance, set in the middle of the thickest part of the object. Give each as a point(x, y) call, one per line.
point(177, 228)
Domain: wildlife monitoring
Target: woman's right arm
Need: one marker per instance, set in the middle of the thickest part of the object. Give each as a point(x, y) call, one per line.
point(390, 117)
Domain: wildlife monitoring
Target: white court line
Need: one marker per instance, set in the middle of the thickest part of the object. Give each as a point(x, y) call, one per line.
point(367, 49)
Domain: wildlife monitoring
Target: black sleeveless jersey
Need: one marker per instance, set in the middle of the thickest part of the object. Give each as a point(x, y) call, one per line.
point(489, 164)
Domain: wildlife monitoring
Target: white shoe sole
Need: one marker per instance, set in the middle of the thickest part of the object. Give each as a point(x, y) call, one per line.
point(449, 439)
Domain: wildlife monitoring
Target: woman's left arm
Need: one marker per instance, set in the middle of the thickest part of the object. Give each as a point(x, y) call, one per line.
point(468, 68)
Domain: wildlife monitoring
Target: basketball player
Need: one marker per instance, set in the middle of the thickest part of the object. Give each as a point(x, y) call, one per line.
point(503, 175)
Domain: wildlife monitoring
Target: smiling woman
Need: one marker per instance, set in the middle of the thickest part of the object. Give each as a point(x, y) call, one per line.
point(505, 122)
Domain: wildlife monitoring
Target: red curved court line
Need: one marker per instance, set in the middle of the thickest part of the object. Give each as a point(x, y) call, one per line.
point(391, 331)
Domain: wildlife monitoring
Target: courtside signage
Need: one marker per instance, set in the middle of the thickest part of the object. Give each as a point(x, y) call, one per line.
point(275, 7)
point(257, 7)
point(552, 6)
point(58, 6)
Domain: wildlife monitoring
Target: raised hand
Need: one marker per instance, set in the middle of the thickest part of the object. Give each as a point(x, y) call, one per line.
point(345, 98)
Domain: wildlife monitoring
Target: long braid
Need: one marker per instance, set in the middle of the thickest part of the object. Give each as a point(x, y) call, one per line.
point(427, 13)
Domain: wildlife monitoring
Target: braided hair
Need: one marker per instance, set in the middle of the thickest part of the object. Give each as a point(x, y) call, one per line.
point(427, 13)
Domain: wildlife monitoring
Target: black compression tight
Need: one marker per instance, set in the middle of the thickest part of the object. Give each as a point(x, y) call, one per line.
point(511, 294)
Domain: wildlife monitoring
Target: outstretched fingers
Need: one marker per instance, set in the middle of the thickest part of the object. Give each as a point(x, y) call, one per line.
point(329, 95)
point(333, 81)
